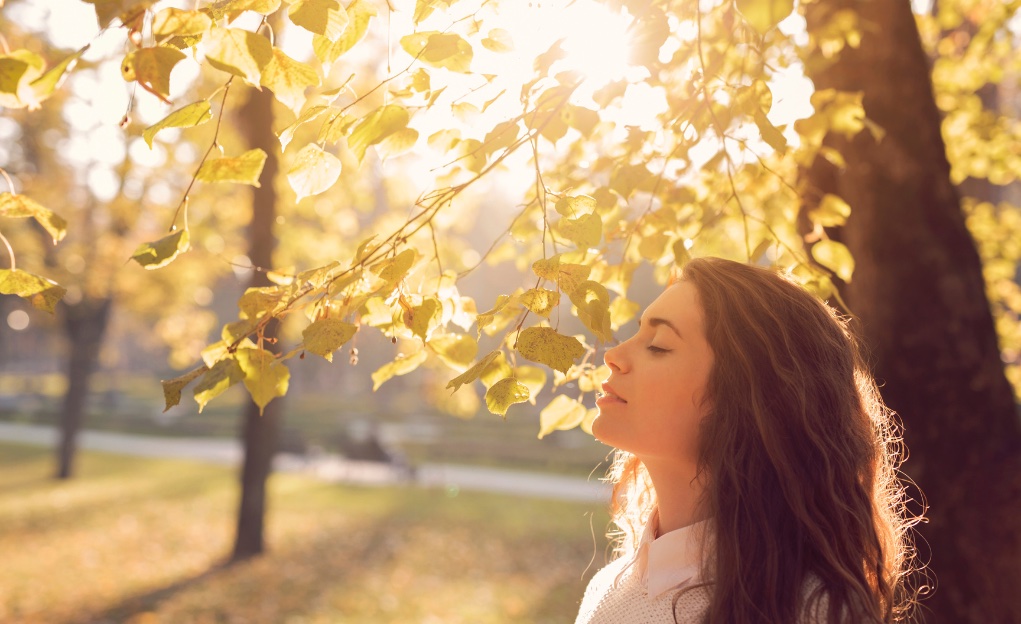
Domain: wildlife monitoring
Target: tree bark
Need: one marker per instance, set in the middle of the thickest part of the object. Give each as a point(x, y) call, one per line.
point(260, 434)
point(919, 297)
point(85, 324)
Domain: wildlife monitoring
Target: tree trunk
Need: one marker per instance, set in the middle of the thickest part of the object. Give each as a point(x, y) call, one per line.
point(85, 324)
point(260, 433)
point(919, 296)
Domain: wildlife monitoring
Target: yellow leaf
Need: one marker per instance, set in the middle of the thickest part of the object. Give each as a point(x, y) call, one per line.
point(593, 303)
point(566, 276)
point(20, 206)
point(151, 67)
point(40, 292)
point(448, 50)
point(474, 372)
point(505, 393)
point(376, 126)
point(215, 381)
point(498, 40)
point(834, 256)
point(172, 387)
point(402, 365)
point(189, 116)
point(321, 17)
point(359, 13)
point(162, 252)
point(455, 350)
point(420, 318)
point(239, 52)
point(395, 269)
point(243, 169)
point(832, 211)
point(622, 310)
point(265, 377)
point(313, 172)
point(495, 371)
point(540, 300)
point(288, 79)
point(562, 413)
point(764, 15)
point(576, 205)
point(180, 22)
point(545, 346)
point(309, 114)
point(533, 377)
point(326, 335)
point(585, 231)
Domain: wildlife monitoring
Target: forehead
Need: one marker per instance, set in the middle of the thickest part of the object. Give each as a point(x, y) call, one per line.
point(678, 304)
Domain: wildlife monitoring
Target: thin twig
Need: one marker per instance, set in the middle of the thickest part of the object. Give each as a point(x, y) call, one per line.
point(194, 177)
point(10, 251)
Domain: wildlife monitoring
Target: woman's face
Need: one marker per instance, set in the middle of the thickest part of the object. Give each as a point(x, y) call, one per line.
point(652, 402)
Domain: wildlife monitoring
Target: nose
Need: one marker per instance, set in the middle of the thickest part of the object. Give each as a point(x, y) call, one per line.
point(614, 358)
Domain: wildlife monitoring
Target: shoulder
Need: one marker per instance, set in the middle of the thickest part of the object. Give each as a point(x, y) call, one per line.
point(616, 595)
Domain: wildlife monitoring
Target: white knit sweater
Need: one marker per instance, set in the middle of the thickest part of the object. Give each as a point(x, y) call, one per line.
point(628, 602)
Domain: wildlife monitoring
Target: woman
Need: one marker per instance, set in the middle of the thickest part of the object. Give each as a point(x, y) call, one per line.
point(755, 480)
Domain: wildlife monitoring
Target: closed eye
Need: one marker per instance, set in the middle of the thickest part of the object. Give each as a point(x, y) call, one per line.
point(657, 350)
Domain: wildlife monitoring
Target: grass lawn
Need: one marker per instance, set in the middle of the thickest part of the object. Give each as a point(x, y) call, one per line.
point(142, 541)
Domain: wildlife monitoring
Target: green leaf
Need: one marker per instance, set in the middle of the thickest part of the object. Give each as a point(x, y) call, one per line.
point(243, 169)
point(834, 256)
point(192, 115)
point(540, 300)
point(239, 52)
point(455, 350)
point(474, 372)
point(326, 335)
point(505, 393)
point(179, 22)
point(359, 13)
point(321, 17)
point(545, 346)
point(402, 365)
point(313, 172)
point(172, 387)
point(39, 291)
point(562, 413)
point(20, 206)
point(586, 231)
point(288, 79)
point(221, 375)
point(447, 50)
point(498, 40)
point(832, 211)
point(162, 252)
point(151, 67)
point(265, 377)
point(376, 126)
point(764, 15)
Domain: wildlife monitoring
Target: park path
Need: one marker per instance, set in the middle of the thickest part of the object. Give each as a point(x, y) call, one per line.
point(332, 468)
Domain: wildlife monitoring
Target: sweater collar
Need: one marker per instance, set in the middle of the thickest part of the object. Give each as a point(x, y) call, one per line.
point(670, 560)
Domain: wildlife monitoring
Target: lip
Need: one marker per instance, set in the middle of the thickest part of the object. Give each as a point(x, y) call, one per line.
point(609, 396)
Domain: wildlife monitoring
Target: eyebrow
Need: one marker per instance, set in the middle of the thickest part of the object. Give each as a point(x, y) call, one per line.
point(656, 322)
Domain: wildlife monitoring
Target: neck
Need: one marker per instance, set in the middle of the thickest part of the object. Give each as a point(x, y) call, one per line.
point(677, 494)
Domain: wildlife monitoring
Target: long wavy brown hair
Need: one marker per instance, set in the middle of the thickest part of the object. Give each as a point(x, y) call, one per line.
point(799, 461)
